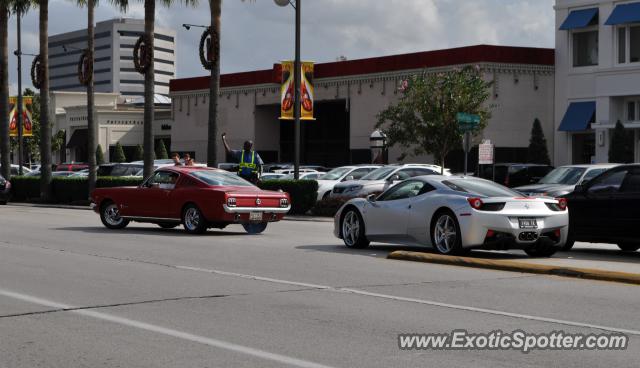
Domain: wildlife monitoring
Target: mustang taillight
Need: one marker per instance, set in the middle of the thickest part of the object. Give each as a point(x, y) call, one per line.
point(231, 202)
point(284, 202)
point(475, 203)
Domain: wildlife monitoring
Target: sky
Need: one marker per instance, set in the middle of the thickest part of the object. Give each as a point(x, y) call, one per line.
point(256, 34)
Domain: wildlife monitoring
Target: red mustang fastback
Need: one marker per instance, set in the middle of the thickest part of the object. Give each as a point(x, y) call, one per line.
point(197, 197)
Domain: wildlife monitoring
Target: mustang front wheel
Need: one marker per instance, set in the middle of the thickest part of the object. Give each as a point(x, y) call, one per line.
point(255, 227)
point(193, 220)
point(353, 230)
point(110, 216)
point(445, 234)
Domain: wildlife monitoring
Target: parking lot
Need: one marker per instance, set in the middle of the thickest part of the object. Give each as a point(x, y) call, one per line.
point(75, 294)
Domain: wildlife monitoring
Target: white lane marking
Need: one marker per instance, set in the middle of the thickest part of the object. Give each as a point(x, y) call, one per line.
point(166, 331)
point(414, 300)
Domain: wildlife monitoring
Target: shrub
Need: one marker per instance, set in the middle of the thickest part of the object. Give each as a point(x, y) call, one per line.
point(161, 151)
point(328, 207)
point(118, 154)
point(99, 155)
point(138, 155)
point(69, 189)
point(24, 188)
point(303, 193)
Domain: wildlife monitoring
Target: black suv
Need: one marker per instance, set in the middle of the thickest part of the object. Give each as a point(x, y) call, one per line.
point(515, 175)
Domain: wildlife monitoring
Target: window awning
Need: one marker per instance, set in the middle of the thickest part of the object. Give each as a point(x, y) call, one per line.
point(624, 13)
point(578, 116)
point(78, 138)
point(580, 18)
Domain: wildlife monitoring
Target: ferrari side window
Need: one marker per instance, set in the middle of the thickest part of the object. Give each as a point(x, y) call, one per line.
point(401, 191)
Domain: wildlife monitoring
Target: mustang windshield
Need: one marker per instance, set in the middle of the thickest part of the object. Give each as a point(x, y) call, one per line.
point(335, 174)
point(563, 175)
point(379, 174)
point(480, 187)
point(220, 178)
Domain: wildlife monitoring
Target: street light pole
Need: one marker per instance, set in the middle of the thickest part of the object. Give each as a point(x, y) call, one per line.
point(296, 104)
point(19, 102)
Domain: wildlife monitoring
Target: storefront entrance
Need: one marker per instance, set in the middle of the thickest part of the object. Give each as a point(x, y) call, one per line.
point(325, 141)
point(583, 148)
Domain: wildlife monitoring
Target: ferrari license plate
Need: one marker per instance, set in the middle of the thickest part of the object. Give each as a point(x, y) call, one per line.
point(255, 216)
point(528, 223)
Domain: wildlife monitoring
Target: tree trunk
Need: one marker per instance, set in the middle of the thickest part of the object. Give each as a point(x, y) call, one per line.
point(91, 124)
point(149, 20)
point(214, 85)
point(4, 90)
point(45, 124)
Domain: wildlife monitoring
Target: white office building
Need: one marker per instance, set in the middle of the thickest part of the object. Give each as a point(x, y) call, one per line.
point(113, 70)
point(597, 77)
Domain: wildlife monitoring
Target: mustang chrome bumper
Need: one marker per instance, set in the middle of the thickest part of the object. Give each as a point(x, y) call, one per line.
point(228, 209)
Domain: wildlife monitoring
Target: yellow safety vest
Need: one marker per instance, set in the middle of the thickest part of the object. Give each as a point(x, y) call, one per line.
point(251, 167)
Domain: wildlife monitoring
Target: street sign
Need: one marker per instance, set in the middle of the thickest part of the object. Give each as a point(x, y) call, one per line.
point(467, 122)
point(485, 153)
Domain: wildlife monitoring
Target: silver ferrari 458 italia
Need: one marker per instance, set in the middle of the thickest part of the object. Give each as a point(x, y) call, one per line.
point(455, 214)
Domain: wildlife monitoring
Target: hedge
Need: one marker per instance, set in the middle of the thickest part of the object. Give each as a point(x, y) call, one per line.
point(328, 207)
point(303, 193)
point(64, 189)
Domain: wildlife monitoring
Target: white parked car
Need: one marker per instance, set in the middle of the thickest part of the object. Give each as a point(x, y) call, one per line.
point(15, 170)
point(454, 214)
point(382, 179)
point(304, 176)
point(271, 176)
point(291, 170)
point(327, 181)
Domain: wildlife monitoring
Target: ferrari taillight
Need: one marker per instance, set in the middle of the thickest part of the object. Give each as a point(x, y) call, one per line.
point(562, 203)
point(475, 203)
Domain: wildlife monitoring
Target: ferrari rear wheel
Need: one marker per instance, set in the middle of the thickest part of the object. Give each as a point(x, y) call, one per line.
point(255, 227)
point(193, 220)
point(445, 234)
point(110, 216)
point(352, 227)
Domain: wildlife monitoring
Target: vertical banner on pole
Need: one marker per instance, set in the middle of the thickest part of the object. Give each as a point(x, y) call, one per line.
point(287, 91)
point(27, 123)
point(306, 91)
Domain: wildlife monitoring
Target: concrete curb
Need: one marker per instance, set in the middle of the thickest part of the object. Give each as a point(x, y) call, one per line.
point(68, 207)
point(515, 266)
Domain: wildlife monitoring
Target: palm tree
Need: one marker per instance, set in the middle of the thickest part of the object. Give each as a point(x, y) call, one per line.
point(91, 124)
point(45, 123)
point(149, 77)
point(4, 88)
point(215, 7)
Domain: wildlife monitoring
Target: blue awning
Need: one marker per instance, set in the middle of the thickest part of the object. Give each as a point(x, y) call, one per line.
point(578, 116)
point(624, 13)
point(580, 18)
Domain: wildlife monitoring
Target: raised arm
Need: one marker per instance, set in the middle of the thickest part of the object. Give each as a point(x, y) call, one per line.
point(226, 145)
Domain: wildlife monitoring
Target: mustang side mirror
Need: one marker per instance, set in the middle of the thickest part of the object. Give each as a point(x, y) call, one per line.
point(371, 198)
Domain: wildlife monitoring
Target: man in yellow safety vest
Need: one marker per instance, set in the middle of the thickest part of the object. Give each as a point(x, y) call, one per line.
point(250, 163)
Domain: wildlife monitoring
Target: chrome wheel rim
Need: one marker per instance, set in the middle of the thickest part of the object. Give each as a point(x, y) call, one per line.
point(112, 215)
point(192, 218)
point(351, 228)
point(445, 234)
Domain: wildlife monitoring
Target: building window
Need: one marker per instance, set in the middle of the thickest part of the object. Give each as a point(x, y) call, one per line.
point(585, 48)
point(629, 44)
point(631, 111)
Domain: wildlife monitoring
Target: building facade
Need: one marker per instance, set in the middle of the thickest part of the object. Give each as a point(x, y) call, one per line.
point(350, 94)
point(597, 78)
point(113, 70)
point(117, 123)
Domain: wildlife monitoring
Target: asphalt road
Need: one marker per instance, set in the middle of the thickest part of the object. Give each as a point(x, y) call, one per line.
point(74, 294)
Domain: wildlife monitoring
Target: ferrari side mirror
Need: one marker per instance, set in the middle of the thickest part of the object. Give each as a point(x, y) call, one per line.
point(371, 198)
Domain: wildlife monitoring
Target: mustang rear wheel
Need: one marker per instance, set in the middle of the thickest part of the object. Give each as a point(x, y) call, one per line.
point(255, 227)
point(193, 220)
point(445, 234)
point(629, 247)
point(353, 230)
point(110, 216)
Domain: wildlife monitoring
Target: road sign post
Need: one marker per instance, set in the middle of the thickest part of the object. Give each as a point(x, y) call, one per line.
point(467, 123)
